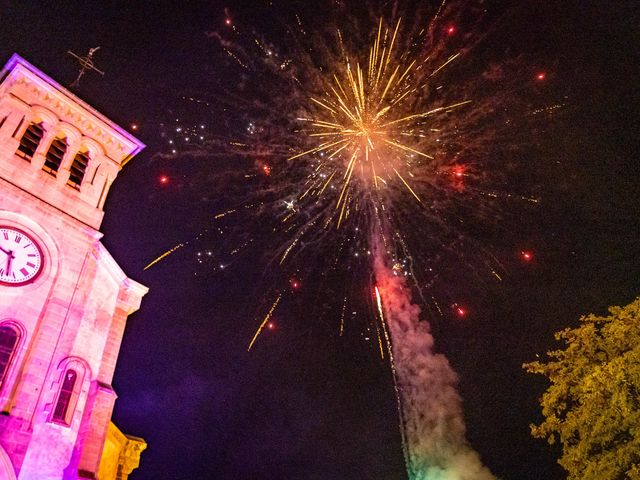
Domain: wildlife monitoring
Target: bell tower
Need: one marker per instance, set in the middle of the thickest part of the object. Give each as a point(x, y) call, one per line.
point(64, 301)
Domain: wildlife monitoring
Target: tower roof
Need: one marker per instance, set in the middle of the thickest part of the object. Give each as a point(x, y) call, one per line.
point(56, 146)
point(18, 69)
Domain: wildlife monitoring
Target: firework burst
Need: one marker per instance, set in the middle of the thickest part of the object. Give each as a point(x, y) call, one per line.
point(380, 161)
point(367, 121)
point(401, 140)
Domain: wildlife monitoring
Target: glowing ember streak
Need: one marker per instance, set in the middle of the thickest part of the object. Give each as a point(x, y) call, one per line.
point(407, 185)
point(379, 302)
point(286, 252)
point(344, 307)
point(164, 255)
point(451, 59)
point(220, 215)
point(265, 321)
point(380, 342)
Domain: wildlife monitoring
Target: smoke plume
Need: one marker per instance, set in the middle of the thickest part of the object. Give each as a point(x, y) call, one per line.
point(431, 408)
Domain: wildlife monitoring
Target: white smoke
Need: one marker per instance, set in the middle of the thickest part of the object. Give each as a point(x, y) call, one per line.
point(434, 430)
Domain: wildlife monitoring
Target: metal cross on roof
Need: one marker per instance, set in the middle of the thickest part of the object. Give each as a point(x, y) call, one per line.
point(86, 63)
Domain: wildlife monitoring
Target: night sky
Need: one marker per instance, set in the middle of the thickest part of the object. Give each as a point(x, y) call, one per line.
point(307, 403)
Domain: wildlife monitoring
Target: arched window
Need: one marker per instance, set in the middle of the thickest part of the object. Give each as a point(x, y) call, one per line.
point(8, 343)
point(30, 140)
point(78, 169)
point(54, 155)
point(65, 396)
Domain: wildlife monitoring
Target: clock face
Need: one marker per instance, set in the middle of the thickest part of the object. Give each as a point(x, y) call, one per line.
point(20, 257)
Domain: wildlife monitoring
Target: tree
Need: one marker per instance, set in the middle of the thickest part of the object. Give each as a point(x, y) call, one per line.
point(593, 404)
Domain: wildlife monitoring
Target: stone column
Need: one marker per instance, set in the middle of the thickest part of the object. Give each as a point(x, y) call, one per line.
point(65, 166)
point(94, 429)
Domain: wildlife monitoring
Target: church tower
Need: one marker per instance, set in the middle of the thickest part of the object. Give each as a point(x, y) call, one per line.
point(64, 301)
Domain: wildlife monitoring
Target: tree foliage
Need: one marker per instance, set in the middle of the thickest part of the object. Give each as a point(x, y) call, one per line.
point(593, 405)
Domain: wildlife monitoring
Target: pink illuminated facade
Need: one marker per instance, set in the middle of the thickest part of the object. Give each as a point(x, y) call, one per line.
point(64, 301)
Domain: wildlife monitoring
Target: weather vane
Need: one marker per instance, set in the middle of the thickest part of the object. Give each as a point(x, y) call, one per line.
point(86, 63)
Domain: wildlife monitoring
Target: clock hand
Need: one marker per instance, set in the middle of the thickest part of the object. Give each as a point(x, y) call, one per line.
point(10, 258)
point(8, 252)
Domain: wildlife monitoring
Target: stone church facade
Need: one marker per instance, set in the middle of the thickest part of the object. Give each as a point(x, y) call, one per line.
point(64, 301)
